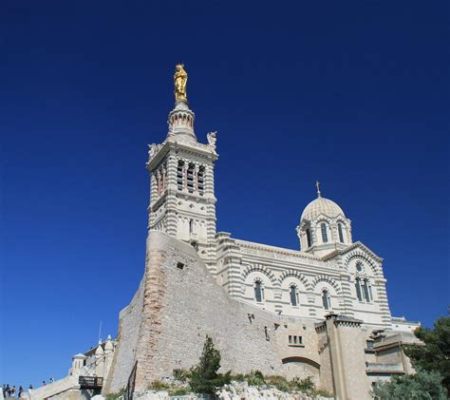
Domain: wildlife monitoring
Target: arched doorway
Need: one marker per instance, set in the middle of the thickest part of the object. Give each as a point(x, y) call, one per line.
point(301, 367)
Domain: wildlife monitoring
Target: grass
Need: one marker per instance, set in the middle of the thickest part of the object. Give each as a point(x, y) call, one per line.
point(254, 378)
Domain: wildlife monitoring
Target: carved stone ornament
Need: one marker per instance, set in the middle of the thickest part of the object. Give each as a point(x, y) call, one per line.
point(212, 139)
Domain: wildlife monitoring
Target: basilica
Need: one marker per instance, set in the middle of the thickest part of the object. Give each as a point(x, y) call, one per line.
point(319, 311)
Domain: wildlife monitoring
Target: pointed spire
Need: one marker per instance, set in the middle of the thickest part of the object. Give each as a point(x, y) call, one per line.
point(319, 194)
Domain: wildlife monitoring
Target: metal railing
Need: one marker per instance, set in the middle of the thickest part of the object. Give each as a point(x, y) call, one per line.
point(90, 382)
point(128, 395)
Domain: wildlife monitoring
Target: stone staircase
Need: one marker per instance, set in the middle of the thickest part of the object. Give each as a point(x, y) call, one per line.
point(54, 388)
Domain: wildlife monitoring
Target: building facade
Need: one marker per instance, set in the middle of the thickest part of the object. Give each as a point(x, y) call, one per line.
point(320, 311)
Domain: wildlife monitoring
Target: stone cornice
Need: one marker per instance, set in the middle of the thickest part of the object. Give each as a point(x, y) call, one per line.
point(342, 320)
point(275, 250)
point(364, 248)
point(353, 247)
point(191, 148)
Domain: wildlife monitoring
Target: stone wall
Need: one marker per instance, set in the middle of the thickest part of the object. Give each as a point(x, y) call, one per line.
point(352, 343)
point(130, 319)
point(180, 303)
point(68, 385)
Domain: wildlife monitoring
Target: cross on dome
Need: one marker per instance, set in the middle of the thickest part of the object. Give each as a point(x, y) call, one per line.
point(318, 189)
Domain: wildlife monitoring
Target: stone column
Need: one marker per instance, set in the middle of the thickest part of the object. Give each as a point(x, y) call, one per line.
point(380, 289)
point(336, 358)
point(347, 298)
point(346, 347)
point(153, 198)
point(171, 200)
point(210, 218)
point(230, 253)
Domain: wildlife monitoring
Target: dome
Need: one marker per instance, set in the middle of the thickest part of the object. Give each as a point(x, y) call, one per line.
point(322, 206)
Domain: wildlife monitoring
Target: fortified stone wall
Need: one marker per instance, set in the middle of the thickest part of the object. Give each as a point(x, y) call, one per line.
point(130, 319)
point(326, 373)
point(181, 304)
point(352, 343)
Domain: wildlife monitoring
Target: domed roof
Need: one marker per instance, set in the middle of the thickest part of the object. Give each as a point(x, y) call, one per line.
point(323, 206)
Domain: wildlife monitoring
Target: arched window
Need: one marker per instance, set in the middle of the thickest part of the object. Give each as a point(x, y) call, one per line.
point(259, 292)
point(190, 178)
point(293, 295)
point(201, 180)
point(358, 289)
point(163, 177)
point(326, 301)
point(309, 237)
point(191, 226)
point(340, 233)
point(159, 178)
point(365, 289)
point(156, 177)
point(323, 228)
point(180, 173)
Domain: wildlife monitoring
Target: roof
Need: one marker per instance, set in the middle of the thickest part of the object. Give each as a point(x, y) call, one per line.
point(321, 206)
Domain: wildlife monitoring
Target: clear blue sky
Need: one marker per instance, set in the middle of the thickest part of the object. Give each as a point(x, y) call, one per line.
point(355, 94)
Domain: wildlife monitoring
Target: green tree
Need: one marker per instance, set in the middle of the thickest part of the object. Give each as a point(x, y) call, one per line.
point(204, 377)
point(421, 386)
point(434, 355)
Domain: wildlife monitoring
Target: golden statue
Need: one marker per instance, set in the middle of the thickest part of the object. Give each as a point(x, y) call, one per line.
point(179, 81)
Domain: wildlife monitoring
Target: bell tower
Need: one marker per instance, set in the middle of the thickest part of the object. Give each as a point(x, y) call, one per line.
point(182, 200)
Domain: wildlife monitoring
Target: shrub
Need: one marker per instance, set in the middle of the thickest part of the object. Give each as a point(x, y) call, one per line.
point(178, 392)
point(204, 377)
point(255, 378)
point(158, 385)
point(434, 353)
point(322, 392)
point(181, 374)
point(238, 377)
point(303, 385)
point(279, 382)
point(421, 386)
